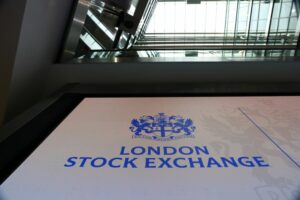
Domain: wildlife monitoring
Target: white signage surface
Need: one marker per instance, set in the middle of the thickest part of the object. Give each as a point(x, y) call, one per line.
point(167, 148)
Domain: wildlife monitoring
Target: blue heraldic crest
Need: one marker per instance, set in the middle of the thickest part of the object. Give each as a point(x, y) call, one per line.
point(162, 127)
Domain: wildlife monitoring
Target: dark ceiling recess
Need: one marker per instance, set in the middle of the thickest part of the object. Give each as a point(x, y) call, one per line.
point(193, 1)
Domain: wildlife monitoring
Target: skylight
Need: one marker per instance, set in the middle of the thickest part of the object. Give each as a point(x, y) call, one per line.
point(179, 17)
point(187, 28)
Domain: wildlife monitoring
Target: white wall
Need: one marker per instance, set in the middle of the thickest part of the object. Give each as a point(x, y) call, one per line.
point(197, 73)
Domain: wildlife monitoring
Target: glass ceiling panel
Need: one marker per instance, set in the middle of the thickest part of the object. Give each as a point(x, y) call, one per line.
point(129, 28)
point(179, 17)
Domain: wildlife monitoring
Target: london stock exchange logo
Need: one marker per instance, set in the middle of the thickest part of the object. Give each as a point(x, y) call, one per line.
point(162, 127)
